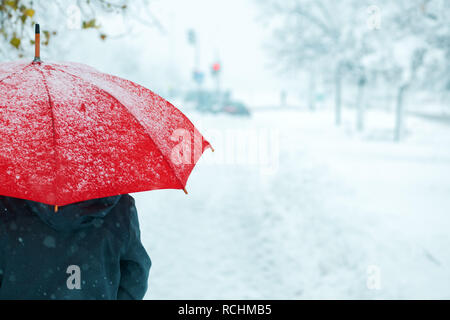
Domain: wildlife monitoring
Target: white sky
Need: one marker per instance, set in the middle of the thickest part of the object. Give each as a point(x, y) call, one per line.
point(226, 30)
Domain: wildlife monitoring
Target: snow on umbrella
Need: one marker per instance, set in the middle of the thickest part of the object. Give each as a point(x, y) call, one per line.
point(69, 133)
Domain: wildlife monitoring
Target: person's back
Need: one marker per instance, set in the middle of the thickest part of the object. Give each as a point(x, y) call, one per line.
point(86, 250)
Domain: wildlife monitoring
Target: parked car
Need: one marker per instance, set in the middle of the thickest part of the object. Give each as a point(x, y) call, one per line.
point(212, 102)
point(235, 108)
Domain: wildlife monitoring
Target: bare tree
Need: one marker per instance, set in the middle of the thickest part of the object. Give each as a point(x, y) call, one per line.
point(424, 23)
point(408, 49)
point(319, 36)
point(17, 18)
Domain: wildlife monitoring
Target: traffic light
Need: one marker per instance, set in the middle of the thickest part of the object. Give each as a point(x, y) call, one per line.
point(216, 68)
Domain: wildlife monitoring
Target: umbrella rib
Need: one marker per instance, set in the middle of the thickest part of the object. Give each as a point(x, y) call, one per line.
point(55, 157)
point(129, 112)
point(14, 73)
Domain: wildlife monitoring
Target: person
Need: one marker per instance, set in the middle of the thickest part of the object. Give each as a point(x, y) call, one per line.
point(85, 250)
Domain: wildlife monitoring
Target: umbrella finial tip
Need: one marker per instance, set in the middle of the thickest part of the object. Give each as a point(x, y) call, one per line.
point(37, 44)
point(184, 189)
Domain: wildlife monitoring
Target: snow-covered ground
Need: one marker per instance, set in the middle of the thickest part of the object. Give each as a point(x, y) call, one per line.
point(331, 214)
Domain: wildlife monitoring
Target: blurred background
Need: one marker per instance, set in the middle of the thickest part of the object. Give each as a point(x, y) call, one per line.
point(331, 125)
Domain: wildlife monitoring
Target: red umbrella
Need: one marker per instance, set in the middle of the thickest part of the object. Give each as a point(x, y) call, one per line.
point(70, 133)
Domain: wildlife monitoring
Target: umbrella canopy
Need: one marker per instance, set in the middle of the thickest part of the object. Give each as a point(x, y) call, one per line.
point(70, 133)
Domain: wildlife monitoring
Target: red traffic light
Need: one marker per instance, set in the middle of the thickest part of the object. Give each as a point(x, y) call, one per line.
point(216, 67)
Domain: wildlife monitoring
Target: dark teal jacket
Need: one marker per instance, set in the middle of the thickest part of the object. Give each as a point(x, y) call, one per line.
point(86, 250)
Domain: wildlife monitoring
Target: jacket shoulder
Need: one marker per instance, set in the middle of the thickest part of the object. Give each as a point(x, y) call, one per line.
point(122, 219)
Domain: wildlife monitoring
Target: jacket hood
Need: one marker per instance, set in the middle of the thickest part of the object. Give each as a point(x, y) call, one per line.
point(76, 215)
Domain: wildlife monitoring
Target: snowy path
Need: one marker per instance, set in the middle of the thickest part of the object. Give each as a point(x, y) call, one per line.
point(338, 203)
